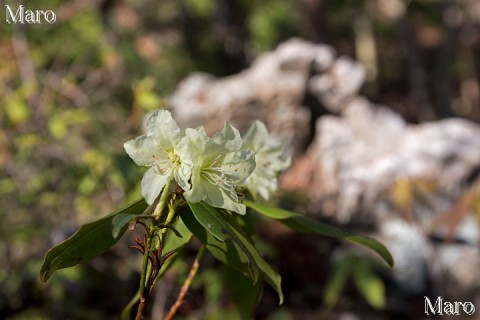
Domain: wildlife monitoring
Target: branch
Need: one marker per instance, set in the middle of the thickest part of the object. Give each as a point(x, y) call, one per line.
point(188, 282)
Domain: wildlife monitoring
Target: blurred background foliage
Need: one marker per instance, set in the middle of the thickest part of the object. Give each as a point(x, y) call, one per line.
point(71, 93)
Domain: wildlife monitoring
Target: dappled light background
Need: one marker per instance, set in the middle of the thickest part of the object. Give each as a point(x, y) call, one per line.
point(363, 103)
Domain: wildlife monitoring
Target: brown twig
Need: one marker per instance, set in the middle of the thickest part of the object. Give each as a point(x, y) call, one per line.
point(141, 309)
point(188, 282)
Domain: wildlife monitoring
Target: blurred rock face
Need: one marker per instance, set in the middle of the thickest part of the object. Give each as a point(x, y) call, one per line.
point(271, 90)
point(365, 165)
point(359, 156)
point(342, 81)
point(415, 183)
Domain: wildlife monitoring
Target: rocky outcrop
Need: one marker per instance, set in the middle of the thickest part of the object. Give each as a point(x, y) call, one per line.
point(359, 157)
point(271, 90)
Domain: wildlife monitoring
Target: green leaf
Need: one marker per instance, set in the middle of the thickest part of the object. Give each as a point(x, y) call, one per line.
point(369, 284)
point(301, 223)
point(120, 221)
point(89, 241)
point(270, 275)
point(172, 242)
point(205, 214)
point(225, 251)
point(243, 291)
point(337, 280)
point(237, 251)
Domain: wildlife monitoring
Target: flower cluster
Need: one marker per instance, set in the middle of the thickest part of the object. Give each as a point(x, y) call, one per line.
point(207, 168)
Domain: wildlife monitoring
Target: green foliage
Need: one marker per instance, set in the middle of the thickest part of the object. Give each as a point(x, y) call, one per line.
point(301, 223)
point(337, 281)
point(225, 251)
point(273, 22)
point(88, 242)
point(174, 242)
point(227, 237)
point(16, 107)
point(210, 220)
point(365, 280)
point(236, 251)
point(201, 8)
point(243, 291)
point(145, 96)
point(120, 221)
point(370, 285)
point(60, 123)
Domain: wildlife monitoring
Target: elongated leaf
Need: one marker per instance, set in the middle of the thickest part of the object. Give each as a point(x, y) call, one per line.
point(244, 248)
point(225, 251)
point(120, 221)
point(229, 252)
point(205, 214)
point(369, 284)
point(89, 241)
point(244, 292)
point(267, 272)
point(301, 223)
point(337, 281)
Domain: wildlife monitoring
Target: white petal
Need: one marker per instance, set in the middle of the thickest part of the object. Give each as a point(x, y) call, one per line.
point(183, 152)
point(281, 164)
point(229, 138)
point(268, 155)
point(256, 136)
point(142, 150)
point(196, 141)
point(196, 193)
point(262, 181)
point(216, 169)
point(163, 129)
point(228, 204)
point(239, 165)
point(152, 185)
point(213, 195)
point(184, 171)
point(217, 197)
point(182, 175)
point(235, 207)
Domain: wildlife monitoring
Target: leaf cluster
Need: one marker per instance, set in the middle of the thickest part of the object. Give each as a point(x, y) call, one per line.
point(225, 235)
